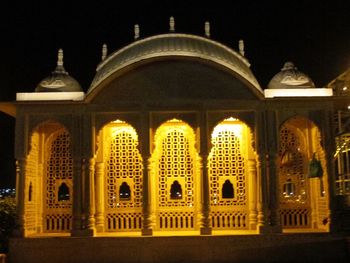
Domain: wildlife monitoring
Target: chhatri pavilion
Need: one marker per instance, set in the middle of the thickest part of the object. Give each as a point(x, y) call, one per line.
point(176, 137)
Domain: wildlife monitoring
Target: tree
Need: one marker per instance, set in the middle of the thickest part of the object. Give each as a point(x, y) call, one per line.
point(7, 221)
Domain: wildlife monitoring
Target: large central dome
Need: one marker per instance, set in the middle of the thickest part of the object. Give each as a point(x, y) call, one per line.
point(176, 45)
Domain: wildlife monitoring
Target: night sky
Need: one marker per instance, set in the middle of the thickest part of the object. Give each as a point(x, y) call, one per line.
point(315, 35)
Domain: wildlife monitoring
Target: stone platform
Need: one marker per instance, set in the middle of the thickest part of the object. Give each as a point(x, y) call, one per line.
point(163, 249)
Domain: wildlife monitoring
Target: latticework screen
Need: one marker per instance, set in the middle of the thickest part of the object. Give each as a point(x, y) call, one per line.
point(124, 167)
point(175, 162)
point(59, 170)
point(175, 169)
point(295, 210)
point(226, 161)
point(226, 164)
point(292, 166)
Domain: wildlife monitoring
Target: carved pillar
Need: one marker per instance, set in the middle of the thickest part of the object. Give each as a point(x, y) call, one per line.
point(272, 135)
point(146, 204)
point(261, 188)
point(77, 196)
point(90, 191)
point(99, 216)
point(261, 193)
point(146, 180)
point(20, 196)
point(252, 193)
point(205, 227)
point(39, 198)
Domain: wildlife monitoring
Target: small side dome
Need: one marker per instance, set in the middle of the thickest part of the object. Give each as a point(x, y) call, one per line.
point(290, 78)
point(59, 80)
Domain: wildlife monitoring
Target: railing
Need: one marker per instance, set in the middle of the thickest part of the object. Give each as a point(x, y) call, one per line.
point(229, 220)
point(295, 218)
point(123, 222)
point(58, 223)
point(176, 220)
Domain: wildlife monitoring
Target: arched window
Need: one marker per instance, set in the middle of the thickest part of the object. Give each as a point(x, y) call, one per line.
point(63, 192)
point(124, 192)
point(176, 190)
point(288, 188)
point(227, 190)
point(30, 192)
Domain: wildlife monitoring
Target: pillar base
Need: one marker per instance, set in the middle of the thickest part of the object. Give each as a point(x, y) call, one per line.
point(146, 232)
point(83, 232)
point(205, 231)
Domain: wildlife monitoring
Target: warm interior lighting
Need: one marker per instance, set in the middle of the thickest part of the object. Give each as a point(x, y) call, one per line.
point(230, 124)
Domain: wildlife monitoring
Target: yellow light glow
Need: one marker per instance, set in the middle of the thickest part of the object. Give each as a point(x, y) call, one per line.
point(230, 124)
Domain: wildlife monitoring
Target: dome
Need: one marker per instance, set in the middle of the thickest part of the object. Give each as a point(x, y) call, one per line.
point(59, 80)
point(175, 45)
point(290, 78)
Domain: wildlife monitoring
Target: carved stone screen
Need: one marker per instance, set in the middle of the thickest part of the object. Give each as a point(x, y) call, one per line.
point(294, 200)
point(226, 166)
point(59, 172)
point(123, 179)
point(175, 164)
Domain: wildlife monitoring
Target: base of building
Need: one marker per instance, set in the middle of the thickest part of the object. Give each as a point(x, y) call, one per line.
point(250, 248)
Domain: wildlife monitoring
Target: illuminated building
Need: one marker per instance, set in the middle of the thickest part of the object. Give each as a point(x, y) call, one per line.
point(175, 136)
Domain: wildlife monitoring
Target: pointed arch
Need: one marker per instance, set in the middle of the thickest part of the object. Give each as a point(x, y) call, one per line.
point(48, 164)
point(175, 162)
point(231, 141)
point(303, 196)
point(123, 175)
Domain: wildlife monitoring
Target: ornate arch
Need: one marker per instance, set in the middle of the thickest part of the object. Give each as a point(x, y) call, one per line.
point(175, 158)
point(231, 159)
point(303, 198)
point(123, 169)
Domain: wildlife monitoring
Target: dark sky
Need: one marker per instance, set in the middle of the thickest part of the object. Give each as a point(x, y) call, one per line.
point(315, 35)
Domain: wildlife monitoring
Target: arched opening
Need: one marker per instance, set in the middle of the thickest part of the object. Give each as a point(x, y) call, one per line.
point(176, 190)
point(49, 163)
point(228, 175)
point(120, 174)
point(303, 201)
point(63, 193)
point(227, 190)
point(124, 192)
point(175, 170)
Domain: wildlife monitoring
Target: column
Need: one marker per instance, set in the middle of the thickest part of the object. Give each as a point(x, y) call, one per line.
point(272, 135)
point(261, 193)
point(77, 197)
point(90, 196)
point(99, 216)
point(20, 196)
point(146, 204)
point(205, 226)
point(146, 185)
point(252, 193)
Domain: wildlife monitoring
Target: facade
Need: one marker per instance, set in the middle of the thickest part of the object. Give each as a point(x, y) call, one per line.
point(175, 136)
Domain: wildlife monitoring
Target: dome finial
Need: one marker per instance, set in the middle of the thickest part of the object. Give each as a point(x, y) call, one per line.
point(136, 31)
point(241, 47)
point(207, 29)
point(172, 24)
point(104, 51)
point(60, 57)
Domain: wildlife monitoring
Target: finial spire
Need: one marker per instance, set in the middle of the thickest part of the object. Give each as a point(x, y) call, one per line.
point(104, 51)
point(241, 47)
point(136, 31)
point(207, 29)
point(60, 57)
point(172, 24)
